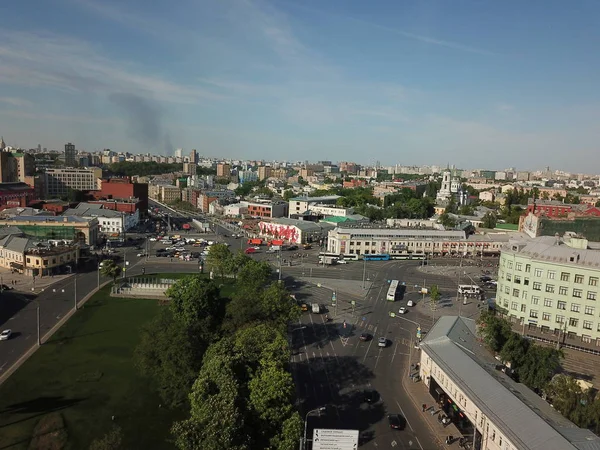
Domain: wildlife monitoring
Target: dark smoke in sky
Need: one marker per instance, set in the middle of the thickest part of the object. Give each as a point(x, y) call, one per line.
point(144, 120)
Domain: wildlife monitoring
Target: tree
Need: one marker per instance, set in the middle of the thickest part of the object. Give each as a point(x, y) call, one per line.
point(110, 441)
point(195, 301)
point(219, 259)
point(111, 269)
point(447, 221)
point(170, 354)
point(271, 393)
point(288, 194)
point(276, 305)
point(434, 295)
point(291, 430)
point(539, 366)
point(489, 220)
point(494, 330)
point(515, 350)
point(564, 393)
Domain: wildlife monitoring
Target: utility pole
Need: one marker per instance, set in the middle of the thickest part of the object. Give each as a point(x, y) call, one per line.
point(75, 289)
point(39, 341)
point(364, 272)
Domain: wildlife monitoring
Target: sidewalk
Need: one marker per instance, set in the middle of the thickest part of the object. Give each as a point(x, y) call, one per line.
point(419, 395)
point(24, 283)
point(350, 287)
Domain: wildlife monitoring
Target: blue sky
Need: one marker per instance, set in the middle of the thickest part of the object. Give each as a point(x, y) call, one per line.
point(476, 83)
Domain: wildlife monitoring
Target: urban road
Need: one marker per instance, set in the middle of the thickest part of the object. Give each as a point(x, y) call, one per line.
point(331, 365)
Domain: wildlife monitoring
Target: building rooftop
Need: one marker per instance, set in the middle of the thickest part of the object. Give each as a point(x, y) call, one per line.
point(304, 225)
point(557, 250)
point(47, 219)
point(16, 243)
point(326, 198)
point(525, 419)
point(18, 186)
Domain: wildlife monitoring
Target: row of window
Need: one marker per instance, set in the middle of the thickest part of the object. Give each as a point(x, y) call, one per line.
point(550, 274)
point(560, 304)
point(560, 319)
point(562, 290)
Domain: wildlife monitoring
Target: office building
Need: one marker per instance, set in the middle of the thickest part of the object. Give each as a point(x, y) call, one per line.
point(74, 229)
point(406, 242)
point(299, 205)
point(194, 157)
point(70, 155)
point(549, 286)
point(59, 182)
point(264, 172)
point(490, 409)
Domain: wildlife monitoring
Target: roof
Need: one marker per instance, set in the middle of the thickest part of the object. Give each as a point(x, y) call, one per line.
point(325, 198)
point(551, 249)
point(91, 212)
point(522, 416)
point(408, 233)
point(16, 243)
point(18, 186)
point(5, 231)
point(304, 225)
point(47, 219)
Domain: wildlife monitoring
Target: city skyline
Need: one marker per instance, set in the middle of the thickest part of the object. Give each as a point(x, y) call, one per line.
point(480, 85)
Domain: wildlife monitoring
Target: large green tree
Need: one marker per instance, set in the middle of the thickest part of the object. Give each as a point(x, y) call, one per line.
point(494, 330)
point(539, 366)
point(111, 269)
point(219, 259)
point(195, 302)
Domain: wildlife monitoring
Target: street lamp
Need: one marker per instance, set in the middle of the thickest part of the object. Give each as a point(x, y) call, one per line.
point(318, 410)
point(364, 271)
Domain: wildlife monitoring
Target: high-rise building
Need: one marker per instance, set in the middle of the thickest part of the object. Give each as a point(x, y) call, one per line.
point(70, 155)
point(179, 153)
point(58, 182)
point(264, 172)
point(223, 170)
point(194, 157)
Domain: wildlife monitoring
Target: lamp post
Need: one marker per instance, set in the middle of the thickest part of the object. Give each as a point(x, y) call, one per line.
point(364, 271)
point(75, 290)
point(319, 410)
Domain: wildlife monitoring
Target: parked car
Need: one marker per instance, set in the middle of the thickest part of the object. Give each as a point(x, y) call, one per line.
point(402, 310)
point(5, 287)
point(293, 247)
point(5, 335)
point(382, 342)
point(141, 254)
point(342, 261)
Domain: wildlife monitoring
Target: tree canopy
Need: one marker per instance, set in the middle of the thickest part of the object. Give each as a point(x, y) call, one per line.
point(127, 168)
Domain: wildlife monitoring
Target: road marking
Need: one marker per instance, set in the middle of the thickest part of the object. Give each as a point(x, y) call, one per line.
point(394, 443)
point(377, 358)
point(395, 349)
point(368, 348)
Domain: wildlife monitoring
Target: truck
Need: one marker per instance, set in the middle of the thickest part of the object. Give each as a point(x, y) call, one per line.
point(329, 260)
point(275, 248)
point(316, 308)
point(255, 241)
point(276, 242)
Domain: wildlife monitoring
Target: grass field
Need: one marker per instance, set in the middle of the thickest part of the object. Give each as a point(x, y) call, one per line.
point(82, 377)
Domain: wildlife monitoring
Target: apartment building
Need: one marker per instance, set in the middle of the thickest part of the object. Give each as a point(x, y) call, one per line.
point(549, 286)
point(490, 410)
point(299, 205)
point(264, 172)
point(58, 182)
point(223, 170)
point(266, 209)
point(400, 242)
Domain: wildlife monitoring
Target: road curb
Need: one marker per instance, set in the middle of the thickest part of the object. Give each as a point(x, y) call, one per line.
point(19, 362)
point(417, 406)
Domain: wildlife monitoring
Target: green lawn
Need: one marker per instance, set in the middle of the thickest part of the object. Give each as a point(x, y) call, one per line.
point(85, 375)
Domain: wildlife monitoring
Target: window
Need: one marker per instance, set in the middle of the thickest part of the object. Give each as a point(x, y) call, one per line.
point(577, 293)
point(518, 266)
point(537, 286)
point(514, 305)
point(560, 319)
point(550, 288)
point(546, 316)
point(564, 276)
point(561, 305)
point(578, 279)
point(551, 274)
point(535, 300)
point(526, 281)
point(524, 295)
point(573, 322)
point(593, 281)
point(548, 302)
point(517, 279)
point(562, 290)
point(516, 292)
point(523, 308)
point(533, 314)
point(28, 261)
point(510, 264)
point(506, 290)
point(589, 310)
point(575, 307)
point(538, 272)
point(527, 268)
point(508, 277)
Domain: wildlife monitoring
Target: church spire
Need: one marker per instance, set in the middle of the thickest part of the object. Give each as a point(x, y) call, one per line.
point(2, 144)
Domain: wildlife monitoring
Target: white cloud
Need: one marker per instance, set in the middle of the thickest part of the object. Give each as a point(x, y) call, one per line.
point(15, 101)
point(49, 60)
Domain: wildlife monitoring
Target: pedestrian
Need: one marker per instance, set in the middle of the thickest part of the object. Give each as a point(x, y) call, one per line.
point(424, 406)
point(433, 411)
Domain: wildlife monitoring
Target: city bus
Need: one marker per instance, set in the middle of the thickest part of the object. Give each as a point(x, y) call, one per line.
point(352, 257)
point(375, 257)
point(327, 256)
point(469, 289)
point(411, 257)
point(391, 293)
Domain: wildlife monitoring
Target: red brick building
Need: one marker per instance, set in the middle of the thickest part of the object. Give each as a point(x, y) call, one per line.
point(121, 194)
point(549, 208)
point(356, 182)
point(16, 194)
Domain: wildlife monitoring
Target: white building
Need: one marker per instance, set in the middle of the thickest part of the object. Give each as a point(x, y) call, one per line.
point(58, 182)
point(235, 210)
point(399, 242)
point(299, 205)
point(451, 187)
point(109, 221)
point(331, 210)
point(491, 410)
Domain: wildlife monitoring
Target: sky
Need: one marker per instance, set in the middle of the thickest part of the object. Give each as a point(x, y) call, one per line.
point(474, 83)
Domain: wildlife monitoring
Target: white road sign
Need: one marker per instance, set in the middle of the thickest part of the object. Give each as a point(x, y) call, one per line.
point(329, 439)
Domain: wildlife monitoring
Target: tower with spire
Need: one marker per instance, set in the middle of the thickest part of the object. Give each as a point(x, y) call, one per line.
point(2, 144)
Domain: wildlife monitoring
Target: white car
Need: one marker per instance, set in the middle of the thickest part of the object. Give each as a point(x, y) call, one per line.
point(342, 261)
point(410, 303)
point(5, 335)
point(211, 242)
point(382, 342)
point(152, 239)
point(256, 248)
point(402, 310)
point(141, 254)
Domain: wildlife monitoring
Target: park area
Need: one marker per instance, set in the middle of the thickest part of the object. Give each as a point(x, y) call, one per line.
point(83, 382)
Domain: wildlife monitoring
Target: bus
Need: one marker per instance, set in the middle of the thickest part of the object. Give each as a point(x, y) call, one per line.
point(469, 290)
point(391, 293)
point(350, 257)
point(374, 257)
point(327, 256)
point(411, 257)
